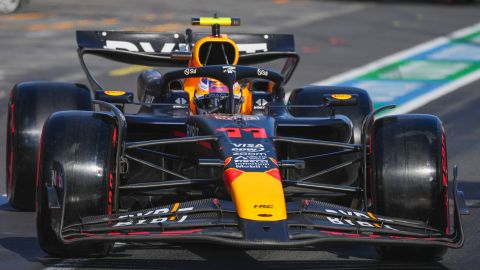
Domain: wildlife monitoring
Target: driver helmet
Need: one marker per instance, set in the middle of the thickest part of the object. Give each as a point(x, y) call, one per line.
point(211, 96)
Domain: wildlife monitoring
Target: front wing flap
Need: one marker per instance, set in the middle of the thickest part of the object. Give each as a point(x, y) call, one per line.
point(215, 221)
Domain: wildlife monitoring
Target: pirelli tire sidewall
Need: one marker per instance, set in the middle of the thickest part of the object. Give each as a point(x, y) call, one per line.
point(77, 161)
point(30, 104)
point(409, 177)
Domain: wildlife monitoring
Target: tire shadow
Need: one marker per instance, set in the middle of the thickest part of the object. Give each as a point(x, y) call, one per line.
point(217, 257)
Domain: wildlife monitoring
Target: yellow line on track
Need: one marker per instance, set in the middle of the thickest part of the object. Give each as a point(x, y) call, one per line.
point(127, 70)
point(24, 16)
point(110, 21)
point(62, 25)
point(86, 22)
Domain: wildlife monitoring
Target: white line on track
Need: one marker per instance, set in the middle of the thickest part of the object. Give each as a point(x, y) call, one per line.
point(3, 199)
point(437, 93)
point(421, 100)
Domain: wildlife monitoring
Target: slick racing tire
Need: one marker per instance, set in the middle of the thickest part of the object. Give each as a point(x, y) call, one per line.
point(76, 174)
point(409, 177)
point(30, 104)
point(314, 95)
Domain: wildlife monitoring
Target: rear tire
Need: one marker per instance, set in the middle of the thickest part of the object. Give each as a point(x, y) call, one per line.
point(409, 177)
point(76, 160)
point(30, 104)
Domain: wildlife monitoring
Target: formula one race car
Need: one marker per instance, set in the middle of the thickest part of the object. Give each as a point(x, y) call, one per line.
point(215, 155)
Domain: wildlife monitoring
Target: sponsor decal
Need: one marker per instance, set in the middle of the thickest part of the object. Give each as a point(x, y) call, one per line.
point(147, 47)
point(246, 163)
point(122, 45)
point(181, 101)
point(262, 72)
point(192, 131)
point(229, 69)
point(353, 222)
point(249, 148)
point(249, 145)
point(252, 47)
point(169, 47)
point(149, 99)
point(265, 206)
point(56, 179)
point(341, 96)
point(249, 151)
point(260, 104)
point(235, 117)
point(149, 217)
point(189, 71)
point(250, 156)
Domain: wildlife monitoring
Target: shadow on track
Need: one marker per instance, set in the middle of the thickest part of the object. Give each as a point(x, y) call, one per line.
point(471, 189)
point(215, 257)
point(26, 247)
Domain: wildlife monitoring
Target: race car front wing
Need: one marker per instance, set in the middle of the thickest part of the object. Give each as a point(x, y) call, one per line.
point(309, 223)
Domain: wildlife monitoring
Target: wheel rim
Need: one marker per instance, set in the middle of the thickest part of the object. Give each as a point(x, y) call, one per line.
point(9, 6)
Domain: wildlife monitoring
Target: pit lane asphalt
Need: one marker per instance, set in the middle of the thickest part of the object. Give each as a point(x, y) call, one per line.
point(331, 36)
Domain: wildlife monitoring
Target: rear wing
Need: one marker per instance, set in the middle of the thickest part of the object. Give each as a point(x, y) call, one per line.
point(173, 49)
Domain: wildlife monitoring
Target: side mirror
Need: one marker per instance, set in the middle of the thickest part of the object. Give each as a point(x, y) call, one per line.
point(341, 99)
point(114, 96)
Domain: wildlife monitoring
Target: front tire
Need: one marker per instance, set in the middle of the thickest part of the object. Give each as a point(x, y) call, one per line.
point(77, 158)
point(409, 177)
point(30, 104)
